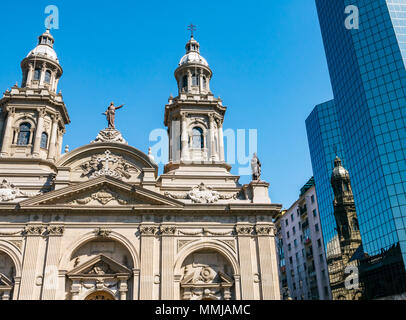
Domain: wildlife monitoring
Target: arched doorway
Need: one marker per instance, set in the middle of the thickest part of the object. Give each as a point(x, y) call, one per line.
point(100, 295)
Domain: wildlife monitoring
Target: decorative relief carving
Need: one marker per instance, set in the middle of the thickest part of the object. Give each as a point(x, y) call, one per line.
point(182, 243)
point(168, 230)
point(11, 233)
point(9, 191)
point(244, 230)
point(215, 233)
point(34, 230)
point(149, 230)
point(109, 135)
point(55, 230)
point(202, 194)
point(101, 232)
point(103, 196)
point(230, 243)
point(264, 230)
point(107, 165)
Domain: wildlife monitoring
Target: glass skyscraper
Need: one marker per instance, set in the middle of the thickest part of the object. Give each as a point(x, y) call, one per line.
point(365, 124)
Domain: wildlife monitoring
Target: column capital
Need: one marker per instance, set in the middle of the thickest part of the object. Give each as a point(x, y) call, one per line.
point(149, 230)
point(265, 230)
point(167, 230)
point(55, 230)
point(244, 230)
point(41, 112)
point(34, 230)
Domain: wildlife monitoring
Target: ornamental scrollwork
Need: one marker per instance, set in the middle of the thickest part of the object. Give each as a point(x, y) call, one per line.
point(149, 230)
point(244, 230)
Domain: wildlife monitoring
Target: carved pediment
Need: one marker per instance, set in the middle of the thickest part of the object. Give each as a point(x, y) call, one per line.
point(102, 191)
point(98, 266)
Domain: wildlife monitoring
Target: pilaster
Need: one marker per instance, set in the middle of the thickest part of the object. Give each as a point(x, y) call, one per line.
point(244, 233)
point(148, 233)
point(167, 261)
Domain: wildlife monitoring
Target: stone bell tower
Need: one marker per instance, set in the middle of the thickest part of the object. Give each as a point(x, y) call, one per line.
point(195, 126)
point(349, 237)
point(33, 116)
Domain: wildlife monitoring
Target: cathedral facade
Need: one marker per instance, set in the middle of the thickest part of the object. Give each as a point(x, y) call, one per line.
point(98, 222)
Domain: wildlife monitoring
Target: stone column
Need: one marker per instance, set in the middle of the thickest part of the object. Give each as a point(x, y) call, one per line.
point(189, 81)
point(33, 236)
point(38, 131)
point(29, 75)
point(244, 250)
point(201, 81)
point(167, 261)
point(213, 153)
point(42, 77)
point(267, 262)
point(148, 233)
point(123, 288)
point(16, 289)
point(8, 132)
point(136, 283)
point(184, 138)
point(52, 142)
point(51, 281)
point(221, 139)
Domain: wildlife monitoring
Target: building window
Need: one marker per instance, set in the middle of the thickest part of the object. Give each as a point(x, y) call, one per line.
point(319, 243)
point(295, 242)
point(37, 74)
point(197, 138)
point(195, 79)
point(291, 217)
point(314, 213)
point(287, 235)
point(294, 230)
point(316, 227)
point(184, 82)
point(289, 247)
point(48, 76)
point(312, 198)
point(24, 134)
point(44, 140)
point(287, 222)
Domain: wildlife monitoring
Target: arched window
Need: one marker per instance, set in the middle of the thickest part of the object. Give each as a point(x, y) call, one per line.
point(197, 138)
point(44, 140)
point(184, 82)
point(24, 134)
point(48, 76)
point(195, 79)
point(37, 74)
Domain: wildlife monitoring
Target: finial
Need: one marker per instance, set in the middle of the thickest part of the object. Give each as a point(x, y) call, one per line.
point(66, 149)
point(191, 28)
point(150, 155)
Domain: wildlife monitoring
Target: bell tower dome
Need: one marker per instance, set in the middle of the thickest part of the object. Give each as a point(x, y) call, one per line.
point(41, 68)
point(195, 126)
point(33, 116)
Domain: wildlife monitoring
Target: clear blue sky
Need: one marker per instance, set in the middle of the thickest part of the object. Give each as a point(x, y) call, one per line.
point(267, 57)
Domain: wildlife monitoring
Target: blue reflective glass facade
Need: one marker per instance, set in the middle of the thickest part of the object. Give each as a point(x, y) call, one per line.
point(368, 78)
point(323, 133)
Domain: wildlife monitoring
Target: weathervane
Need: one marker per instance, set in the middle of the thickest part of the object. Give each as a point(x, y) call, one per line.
point(191, 28)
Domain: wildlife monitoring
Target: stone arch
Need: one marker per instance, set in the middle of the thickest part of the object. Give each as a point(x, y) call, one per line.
point(13, 253)
point(90, 236)
point(10, 270)
point(207, 269)
point(215, 245)
point(93, 292)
